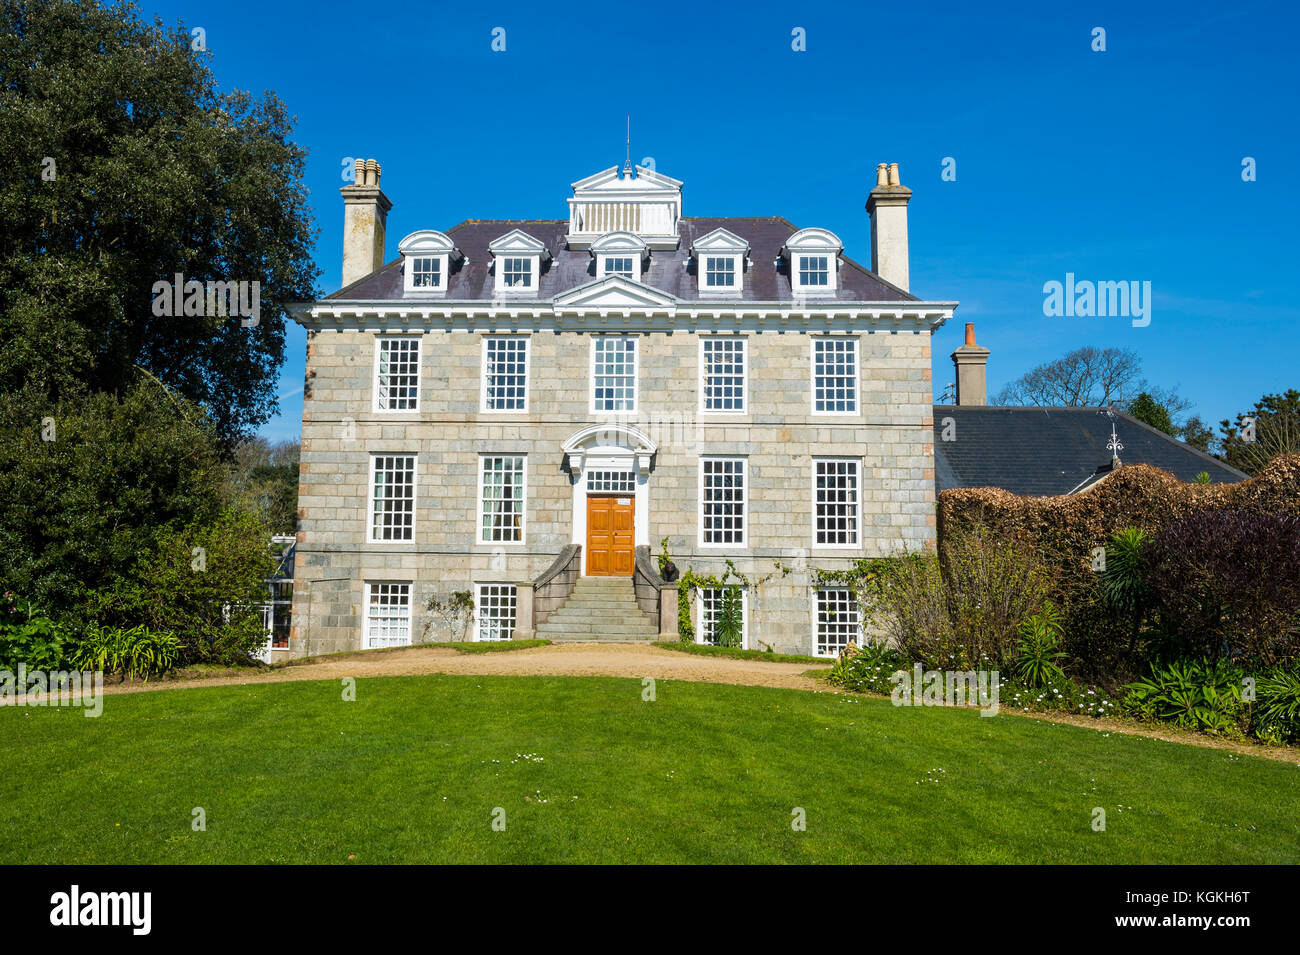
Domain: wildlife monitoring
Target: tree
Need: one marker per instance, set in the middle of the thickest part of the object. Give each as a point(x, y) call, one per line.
point(1197, 434)
point(1149, 411)
point(1270, 428)
point(1090, 378)
point(87, 481)
point(1085, 378)
point(263, 481)
point(124, 165)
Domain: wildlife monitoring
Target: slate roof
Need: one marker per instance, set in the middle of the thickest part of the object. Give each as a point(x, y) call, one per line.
point(667, 270)
point(1047, 451)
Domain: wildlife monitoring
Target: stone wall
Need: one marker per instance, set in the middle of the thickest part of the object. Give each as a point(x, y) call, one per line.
point(779, 436)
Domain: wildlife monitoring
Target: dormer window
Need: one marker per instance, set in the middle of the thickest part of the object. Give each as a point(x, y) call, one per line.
point(720, 271)
point(517, 272)
point(813, 270)
point(426, 272)
point(813, 259)
point(620, 265)
point(518, 259)
point(720, 258)
point(427, 258)
point(619, 253)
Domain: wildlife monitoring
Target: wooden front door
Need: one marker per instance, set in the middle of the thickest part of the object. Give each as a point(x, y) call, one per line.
point(610, 536)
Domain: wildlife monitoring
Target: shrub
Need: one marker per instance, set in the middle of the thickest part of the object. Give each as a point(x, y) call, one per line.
point(203, 583)
point(1064, 531)
point(730, 624)
point(1203, 695)
point(136, 653)
point(1277, 714)
point(961, 610)
point(1228, 585)
point(868, 670)
point(28, 636)
point(1038, 648)
point(81, 508)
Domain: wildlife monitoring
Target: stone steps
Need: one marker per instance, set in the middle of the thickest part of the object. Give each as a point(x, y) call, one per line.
point(599, 609)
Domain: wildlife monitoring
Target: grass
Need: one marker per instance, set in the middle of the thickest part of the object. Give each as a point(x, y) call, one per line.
point(735, 653)
point(585, 771)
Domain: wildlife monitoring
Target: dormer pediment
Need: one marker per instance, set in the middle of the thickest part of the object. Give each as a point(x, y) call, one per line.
point(614, 291)
point(518, 242)
point(428, 242)
point(626, 243)
point(720, 240)
point(814, 240)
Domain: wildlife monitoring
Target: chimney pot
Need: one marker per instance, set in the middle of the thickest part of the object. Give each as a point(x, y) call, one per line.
point(970, 361)
point(365, 216)
point(887, 207)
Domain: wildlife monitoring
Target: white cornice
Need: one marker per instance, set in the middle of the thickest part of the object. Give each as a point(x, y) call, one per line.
point(778, 317)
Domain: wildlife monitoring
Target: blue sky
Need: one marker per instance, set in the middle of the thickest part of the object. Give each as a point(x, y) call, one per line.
point(1116, 165)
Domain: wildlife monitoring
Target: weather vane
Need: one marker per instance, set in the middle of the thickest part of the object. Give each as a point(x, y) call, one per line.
point(1114, 446)
point(627, 162)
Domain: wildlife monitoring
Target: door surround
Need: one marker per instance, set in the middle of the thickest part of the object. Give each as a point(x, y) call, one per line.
point(610, 447)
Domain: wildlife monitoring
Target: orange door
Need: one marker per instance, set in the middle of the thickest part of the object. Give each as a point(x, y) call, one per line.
point(609, 536)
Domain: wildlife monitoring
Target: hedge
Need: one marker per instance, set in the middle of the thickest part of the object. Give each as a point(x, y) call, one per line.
point(1066, 529)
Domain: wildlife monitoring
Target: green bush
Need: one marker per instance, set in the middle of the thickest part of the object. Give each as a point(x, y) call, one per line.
point(961, 611)
point(1038, 648)
point(137, 653)
point(28, 636)
point(869, 670)
point(204, 584)
point(1277, 714)
point(1194, 694)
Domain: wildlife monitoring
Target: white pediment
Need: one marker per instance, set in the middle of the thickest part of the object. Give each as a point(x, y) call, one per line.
point(814, 240)
point(614, 291)
point(608, 184)
point(427, 242)
point(518, 242)
point(615, 242)
point(720, 240)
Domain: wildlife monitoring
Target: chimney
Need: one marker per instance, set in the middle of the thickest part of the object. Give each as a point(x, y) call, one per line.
point(970, 360)
point(365, 215)
point(887, 206)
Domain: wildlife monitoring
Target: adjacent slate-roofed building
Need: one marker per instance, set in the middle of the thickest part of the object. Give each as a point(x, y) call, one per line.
point(1047, 451)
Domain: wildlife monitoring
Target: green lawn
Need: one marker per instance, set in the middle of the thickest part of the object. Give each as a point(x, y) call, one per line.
point(412, 771)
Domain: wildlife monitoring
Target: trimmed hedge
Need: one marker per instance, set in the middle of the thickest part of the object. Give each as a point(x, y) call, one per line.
point(1065, 530)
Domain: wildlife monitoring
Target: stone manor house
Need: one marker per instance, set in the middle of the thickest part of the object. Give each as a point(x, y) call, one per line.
point(524, 410)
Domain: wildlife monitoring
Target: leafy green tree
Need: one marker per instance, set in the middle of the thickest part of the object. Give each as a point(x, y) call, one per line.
point(88, 480)
point(263, 481)
point(1197, 433)
point(1270, 428)
point(123, 166)
point(1146, 409)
